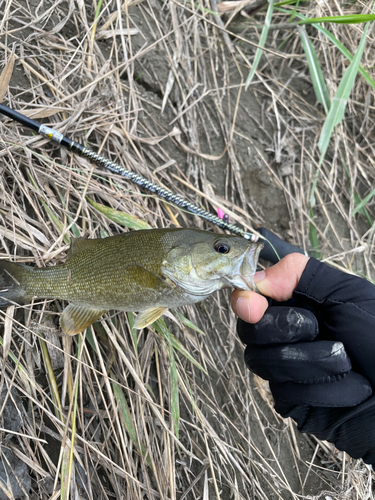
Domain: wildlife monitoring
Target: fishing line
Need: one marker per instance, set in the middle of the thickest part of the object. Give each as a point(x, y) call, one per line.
point(101, 161)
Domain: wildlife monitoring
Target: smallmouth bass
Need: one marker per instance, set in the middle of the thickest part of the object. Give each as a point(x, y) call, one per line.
point(145, 271)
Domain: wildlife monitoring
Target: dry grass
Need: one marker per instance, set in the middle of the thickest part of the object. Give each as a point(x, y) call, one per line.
point(120, 81)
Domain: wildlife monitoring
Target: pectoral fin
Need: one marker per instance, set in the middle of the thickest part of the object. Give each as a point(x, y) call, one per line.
point(147, 317)
point(75, 319)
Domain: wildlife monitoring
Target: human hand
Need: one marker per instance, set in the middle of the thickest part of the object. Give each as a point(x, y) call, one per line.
point(316, 346)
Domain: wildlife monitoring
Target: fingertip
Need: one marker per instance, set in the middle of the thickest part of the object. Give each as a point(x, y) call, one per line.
point(249, 306)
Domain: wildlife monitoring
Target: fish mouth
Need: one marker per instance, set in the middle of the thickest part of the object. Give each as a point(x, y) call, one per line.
point(243, 279)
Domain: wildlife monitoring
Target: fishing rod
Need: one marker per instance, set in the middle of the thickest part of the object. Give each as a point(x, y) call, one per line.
point(101, 161)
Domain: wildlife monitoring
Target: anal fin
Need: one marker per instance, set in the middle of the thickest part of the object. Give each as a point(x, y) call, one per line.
point(75, 319)
point(149, 316)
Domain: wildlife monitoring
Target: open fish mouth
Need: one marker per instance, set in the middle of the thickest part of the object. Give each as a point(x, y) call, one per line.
point(249, 265)
point(243, 276)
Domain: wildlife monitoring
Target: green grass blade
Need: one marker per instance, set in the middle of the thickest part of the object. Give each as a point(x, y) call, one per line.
point(341, 97)
point(125, 413)
point(179, 347)
point(320, 87)
point(120, 217)
point(23, 373)
point(134, 332)
point(74, 228)
point(262, 41)
point(163, 331)
point(68, 453)
point(97, 12)
point(175, 402)
point(349, 19)
point(296, 5)
point(127, 419)
point(362, 210)
point(345, 52)
point(363, 202)
point(189, 323)
point(90, 339)
point(52, 380)
point(289, 2)
point(169, 338)
point(357, 199)
point(338, 45)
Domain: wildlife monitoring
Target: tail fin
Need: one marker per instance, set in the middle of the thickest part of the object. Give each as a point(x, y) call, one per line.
point(11, 281)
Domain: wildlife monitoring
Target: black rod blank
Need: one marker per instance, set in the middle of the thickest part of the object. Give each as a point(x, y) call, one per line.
point(75, 147)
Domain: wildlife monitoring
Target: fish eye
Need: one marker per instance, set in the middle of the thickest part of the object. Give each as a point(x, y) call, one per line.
point(221, 247)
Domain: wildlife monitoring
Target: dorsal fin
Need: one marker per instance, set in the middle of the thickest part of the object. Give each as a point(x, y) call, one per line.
point(78, 245)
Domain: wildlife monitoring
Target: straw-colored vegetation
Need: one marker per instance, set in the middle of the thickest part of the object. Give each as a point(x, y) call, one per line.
point(158, 86)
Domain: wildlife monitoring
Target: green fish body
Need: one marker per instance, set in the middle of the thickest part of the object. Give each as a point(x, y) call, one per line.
point(141, 271)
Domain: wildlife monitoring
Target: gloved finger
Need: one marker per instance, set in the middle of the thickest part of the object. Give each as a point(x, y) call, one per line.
point(280, 325)
point(273, 243)
point(350, 390)
point(301, 363)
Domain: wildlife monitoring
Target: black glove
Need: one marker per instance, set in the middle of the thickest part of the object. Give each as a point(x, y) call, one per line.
point(318, 352)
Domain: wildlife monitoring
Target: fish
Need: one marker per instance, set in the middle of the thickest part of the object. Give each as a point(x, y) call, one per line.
point(146, 271)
